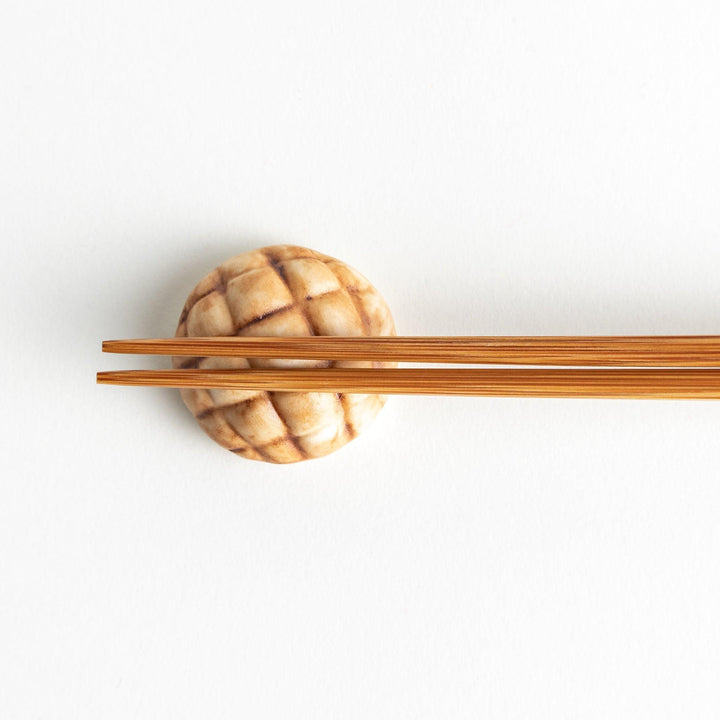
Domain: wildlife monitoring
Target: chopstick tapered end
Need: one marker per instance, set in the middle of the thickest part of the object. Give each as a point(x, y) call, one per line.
point(112, 377)
point(112, 346)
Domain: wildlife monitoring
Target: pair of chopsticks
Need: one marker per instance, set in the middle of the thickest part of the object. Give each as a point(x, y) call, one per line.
point(642, 367)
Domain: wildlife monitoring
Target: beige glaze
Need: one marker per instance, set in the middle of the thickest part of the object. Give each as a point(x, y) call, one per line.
point(276, 291)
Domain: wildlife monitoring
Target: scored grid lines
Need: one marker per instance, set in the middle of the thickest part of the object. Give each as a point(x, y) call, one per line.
point(287, 447)
point(278, 268)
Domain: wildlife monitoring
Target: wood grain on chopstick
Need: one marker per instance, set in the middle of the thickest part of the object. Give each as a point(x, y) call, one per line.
point(630, 384)
point(676, 351)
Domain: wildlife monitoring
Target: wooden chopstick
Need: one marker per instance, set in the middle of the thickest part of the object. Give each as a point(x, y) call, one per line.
point(629, 384)
point(675, 351)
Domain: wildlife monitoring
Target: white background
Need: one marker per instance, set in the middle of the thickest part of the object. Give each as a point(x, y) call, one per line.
point(494, 168)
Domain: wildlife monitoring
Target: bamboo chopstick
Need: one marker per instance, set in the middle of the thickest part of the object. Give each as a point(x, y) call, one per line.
point(629, 384)
point(676, 351)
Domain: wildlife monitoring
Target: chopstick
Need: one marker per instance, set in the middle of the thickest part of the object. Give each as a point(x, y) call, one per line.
point(656, 352)
point(642, 351)
point(628, 384)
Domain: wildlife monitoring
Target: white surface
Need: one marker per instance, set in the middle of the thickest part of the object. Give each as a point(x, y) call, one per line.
point(496, 167)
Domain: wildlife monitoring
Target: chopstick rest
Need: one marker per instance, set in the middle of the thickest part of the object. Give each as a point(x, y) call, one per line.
point(282, 290)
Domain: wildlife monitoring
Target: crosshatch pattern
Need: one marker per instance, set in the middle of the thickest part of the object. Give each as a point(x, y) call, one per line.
point(282, 290)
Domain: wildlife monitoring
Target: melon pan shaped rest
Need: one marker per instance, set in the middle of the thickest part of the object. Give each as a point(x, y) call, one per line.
point(282, 290)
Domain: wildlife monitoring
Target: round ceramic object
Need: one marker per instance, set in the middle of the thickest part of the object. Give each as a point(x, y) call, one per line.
point(276, 291)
